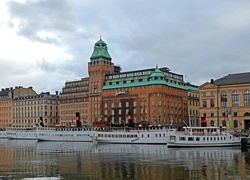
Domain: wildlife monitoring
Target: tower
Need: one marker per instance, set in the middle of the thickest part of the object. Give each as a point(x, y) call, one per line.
point(99, 65)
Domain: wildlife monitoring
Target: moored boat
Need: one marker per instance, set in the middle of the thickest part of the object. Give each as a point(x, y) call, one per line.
point(28, 133)
point(204, 137)
point(70, 134)
point(157, 135)
point(3, 133)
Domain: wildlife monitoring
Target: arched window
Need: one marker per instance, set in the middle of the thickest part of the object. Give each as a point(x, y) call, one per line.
point(235, 124)
point(235, 98)
point(223, 97)
point(247, 114)
point(247, 98)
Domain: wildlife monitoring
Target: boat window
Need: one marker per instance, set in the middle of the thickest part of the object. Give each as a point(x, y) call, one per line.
point(155, 135)
point(120, 135)
point(190, 139)
point(197, 139)
point(148, 135)
point(181, 138)
point(142, 135)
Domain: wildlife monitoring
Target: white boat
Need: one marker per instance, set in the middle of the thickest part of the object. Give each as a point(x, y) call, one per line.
point(3, 133)
point(157, 135)
point(28, 133)
point(69, 134)
point(204, 137)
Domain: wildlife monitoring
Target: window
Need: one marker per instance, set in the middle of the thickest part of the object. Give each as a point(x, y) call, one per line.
point(223, 99)
point(235, 98)
point(211, 102)
point(212, 123)
point(235, 124)
point(247, 98)
point(204, 103)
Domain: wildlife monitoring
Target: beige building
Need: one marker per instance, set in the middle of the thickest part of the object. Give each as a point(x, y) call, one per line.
point(226, 101)
point(6, 97)
point(29, 110)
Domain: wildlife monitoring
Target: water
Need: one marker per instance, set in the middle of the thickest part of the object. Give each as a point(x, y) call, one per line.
point(28, 159)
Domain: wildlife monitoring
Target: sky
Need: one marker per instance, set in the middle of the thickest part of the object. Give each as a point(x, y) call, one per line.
point(45, 43)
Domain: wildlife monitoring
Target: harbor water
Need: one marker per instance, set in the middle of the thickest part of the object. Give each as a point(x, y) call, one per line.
point(29, 159)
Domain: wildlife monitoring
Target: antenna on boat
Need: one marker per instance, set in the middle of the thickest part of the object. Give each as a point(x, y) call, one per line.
point(185, 123)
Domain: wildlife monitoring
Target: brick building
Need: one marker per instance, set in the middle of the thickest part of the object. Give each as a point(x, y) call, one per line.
point(155, 95)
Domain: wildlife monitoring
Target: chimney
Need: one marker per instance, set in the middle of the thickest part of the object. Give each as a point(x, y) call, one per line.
point(212, 81)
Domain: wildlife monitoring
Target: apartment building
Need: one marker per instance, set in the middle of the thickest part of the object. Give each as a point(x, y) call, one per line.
point(74, 98)
point(28, 111)
point(6, 97)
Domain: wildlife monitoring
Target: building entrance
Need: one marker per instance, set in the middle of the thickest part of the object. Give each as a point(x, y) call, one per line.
point(246, 124)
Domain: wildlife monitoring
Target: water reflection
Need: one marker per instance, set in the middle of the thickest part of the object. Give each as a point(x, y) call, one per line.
point(78, 160)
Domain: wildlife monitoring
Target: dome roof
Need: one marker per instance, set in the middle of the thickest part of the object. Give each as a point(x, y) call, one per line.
point(100, 51)
point(157, 77)
point(157, 73)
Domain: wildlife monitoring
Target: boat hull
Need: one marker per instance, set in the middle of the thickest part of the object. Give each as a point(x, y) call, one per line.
point(192, 145)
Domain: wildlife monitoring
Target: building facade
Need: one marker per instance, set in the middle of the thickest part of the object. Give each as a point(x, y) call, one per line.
point(6, 105)
point(29, 111)
point(193, 104)
point(226, 101)
point(74, 98)
point(155, 95)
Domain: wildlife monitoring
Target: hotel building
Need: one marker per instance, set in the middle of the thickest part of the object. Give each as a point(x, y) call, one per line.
point(155, 95)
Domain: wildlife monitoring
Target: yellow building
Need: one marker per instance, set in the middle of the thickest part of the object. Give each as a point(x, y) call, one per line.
point(28, 111)
point(226, 101)
point(193, 104)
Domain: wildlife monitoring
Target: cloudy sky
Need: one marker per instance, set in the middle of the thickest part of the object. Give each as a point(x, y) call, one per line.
point(44, 43)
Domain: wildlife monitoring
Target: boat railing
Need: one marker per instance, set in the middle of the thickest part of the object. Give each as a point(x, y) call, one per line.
point(201, 133)
point(132, 129)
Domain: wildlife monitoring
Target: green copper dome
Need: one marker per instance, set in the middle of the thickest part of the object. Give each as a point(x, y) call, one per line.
point(157, 73)
point(157, 77)
point(100, 51)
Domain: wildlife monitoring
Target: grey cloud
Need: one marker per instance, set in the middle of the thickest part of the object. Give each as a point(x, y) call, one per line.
point(199, 39)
